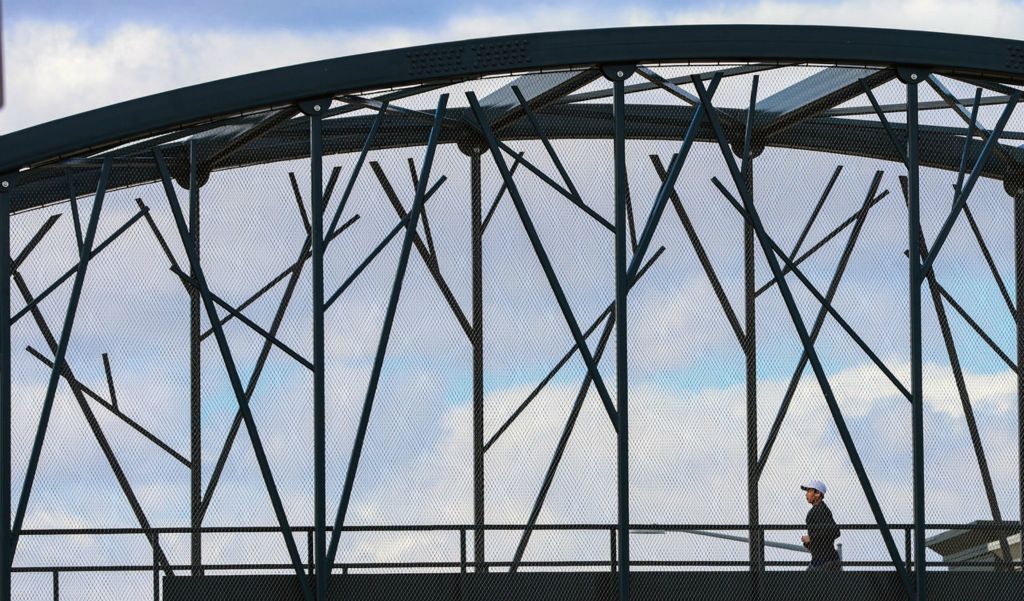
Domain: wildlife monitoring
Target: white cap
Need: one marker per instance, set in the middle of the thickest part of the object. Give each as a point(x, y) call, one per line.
point(817, 485)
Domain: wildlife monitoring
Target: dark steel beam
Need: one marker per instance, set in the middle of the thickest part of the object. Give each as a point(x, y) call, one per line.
point(755, 536)
point(317, 206)
point(385, 334)
point(916, 363)
point(477, 342)
point(195, 328)
point(432, 266)
point(622, 285)
point(702, 255)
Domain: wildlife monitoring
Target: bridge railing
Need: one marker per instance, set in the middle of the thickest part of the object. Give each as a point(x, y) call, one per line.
point(463, 565)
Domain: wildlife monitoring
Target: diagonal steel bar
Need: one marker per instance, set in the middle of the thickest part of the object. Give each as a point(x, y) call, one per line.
point(367, 144)
point(501, 193)
point(424, 252)
point(669, 182)
point(989, 260)
point(794, 312)
point(818, 296)
point(542, 257)
point(900, 149)
point(554, 185)
point(961, 198)
point(34, 241)
point(236, 384)
point(563, 442)
point(377, 250)
point(190, 281)
point(75, 217)
point(78, 392)
point(702, 255)
point(791, 263)
point(819, 321)
point(110, 380)
point(565, 359)
point(427, 234)
point(75, 268)
point(816, 211)
point(76, 384)
point(976, 327)
point(298, 201)
point(532, 119)
point(385, 334)
point(971, 125)
point(59, 353)
point(291, 269)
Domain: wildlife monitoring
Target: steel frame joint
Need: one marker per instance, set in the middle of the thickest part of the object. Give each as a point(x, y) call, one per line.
point(618, 72)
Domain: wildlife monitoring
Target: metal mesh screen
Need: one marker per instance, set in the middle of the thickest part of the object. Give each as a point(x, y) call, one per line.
point(468, 244)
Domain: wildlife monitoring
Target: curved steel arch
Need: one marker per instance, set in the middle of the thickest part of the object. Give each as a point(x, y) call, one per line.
point(101, 128)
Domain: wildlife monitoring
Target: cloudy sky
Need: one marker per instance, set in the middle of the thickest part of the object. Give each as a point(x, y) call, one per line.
point(63, 57)
point(66, 56)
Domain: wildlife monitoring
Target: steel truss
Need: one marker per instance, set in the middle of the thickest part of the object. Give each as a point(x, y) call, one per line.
point(360, 116)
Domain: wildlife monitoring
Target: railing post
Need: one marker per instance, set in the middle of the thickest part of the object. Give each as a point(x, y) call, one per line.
point(908, 549)
point(611, 532)
point(156, 567)
point(462, 550)
point(310, 554)
point(56, 585)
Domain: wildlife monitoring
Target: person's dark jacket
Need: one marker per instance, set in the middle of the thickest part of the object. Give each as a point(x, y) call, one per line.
point(822, 530)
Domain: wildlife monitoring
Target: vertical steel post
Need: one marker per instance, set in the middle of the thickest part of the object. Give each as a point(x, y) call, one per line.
point(916, 280)
point(756, 546)
point(156, 567)
point(195, 367)
point(6, 193)
point(621, 311)
point(319, 411)
point(1018, 246)
point(476, 215)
